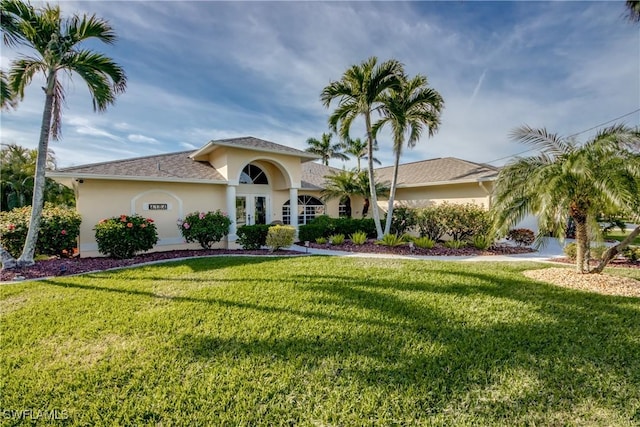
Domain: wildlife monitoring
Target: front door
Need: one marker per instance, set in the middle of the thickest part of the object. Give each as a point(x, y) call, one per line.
point(251, 209)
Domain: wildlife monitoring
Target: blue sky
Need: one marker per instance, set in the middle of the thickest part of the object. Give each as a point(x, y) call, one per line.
point(199, 71)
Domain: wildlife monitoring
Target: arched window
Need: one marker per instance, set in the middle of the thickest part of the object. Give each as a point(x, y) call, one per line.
point(252, 174)
point(308, 208)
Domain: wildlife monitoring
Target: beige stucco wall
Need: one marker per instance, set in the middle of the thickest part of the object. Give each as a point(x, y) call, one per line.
point(99, 199)
point(453, 193)
point(282, 171)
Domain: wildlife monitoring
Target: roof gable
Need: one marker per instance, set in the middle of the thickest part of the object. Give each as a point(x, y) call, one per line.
point(253, 144)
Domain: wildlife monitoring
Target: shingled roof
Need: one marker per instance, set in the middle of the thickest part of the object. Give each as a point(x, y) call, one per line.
point(313, 175)
point(252, 143)
point(438, 171)
point(173, 166)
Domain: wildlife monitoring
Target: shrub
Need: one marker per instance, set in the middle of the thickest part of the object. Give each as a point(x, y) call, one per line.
point(631, 253)
point(482, 242)
point(59, 230)
point(358, 238)
point(455, 244)
point(521, 236)
point(280, 236)
point(336, 239)
point(571, 250)
point(462, 222)
point(403, 220)
point(430, 223)
point(124, 236)
point(424, 242)
point(324, 226)
point(390, 240)
point(595, 252)
point(253, 237)
point(310, 232)
point(206, 228)
point(321, 240)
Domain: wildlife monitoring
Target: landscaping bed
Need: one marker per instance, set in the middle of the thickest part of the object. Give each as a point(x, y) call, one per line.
point(65, 266)
point(439, 250)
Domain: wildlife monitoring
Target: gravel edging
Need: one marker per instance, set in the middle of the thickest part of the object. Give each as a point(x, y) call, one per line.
point(600, 283)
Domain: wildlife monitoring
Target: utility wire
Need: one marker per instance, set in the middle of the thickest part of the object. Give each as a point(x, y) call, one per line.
point(570, 136)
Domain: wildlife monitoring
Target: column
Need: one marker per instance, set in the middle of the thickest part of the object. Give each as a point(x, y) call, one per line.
point(293, 206)
point(231, 211)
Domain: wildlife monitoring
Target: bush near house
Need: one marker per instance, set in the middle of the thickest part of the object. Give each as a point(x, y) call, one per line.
point(206, 228)
point(521, 236)
point(325, 226)
point(460, 221)
point(252, 237)
point(59, 230)
point(280, 236)
point(403, 220)
point(125, 236)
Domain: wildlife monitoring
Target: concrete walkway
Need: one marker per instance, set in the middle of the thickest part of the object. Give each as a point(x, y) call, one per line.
point(552, 248)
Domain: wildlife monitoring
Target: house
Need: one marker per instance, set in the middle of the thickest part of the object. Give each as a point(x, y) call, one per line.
point(254, 181)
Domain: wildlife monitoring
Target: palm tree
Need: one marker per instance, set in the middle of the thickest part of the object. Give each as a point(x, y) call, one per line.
point(6, 96)
point(568, 180)
point(359, 92)
point(325, 149)
point(358, 149)
point(407, 110)
point(345, 184)
point(56, 44)
point(633, 10)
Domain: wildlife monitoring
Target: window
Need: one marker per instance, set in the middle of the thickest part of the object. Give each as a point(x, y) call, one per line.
point(252, 174)
point(308, 208)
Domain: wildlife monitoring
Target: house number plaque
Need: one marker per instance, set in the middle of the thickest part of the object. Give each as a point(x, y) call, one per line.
point(158, 206)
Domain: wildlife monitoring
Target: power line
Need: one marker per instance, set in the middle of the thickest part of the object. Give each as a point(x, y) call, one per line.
point(570, 136)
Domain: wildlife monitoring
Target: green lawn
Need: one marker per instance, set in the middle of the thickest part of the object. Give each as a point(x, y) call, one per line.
point(318, 341)
point(620, 236)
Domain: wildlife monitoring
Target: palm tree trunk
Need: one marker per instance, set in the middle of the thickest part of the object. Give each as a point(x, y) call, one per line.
point(26, 258)
point(582, 245)
point(372, 183)
point(610, 253)
point(392, 194)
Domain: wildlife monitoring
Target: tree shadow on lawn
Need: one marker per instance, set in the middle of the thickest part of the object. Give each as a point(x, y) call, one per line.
point(581, 348)
point(571, 347)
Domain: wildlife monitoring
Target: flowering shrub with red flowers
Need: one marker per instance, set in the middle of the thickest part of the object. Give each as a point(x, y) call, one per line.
point(124, 236)
point(59, 230)
point(205, 228)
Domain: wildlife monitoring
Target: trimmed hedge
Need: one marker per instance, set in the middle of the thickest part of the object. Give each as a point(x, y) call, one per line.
point(325, 226)
point(58, 235)
point(252, 237)
point(206, 228)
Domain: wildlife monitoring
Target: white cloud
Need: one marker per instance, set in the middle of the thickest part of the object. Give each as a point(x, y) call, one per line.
point(135, 137)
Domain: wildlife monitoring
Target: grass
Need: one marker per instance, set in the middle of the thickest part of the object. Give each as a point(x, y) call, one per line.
point(318, 341)
point(618, 235)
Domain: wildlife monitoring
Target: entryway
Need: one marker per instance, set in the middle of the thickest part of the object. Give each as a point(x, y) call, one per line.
point(252, 209)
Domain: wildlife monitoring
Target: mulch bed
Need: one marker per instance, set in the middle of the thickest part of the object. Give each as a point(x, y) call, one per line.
point(439, 250)
point(67, 266)
point(618, 262)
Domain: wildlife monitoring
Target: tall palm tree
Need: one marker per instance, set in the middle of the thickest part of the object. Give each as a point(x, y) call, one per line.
point(345, 184)
point(358, 149)
point(325, 149)
point(568, 180)
point(408, 110)
point(359, 93)
point(56, 45)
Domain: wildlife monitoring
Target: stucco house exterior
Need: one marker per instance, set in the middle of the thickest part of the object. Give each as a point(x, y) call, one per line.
point(254, 181)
